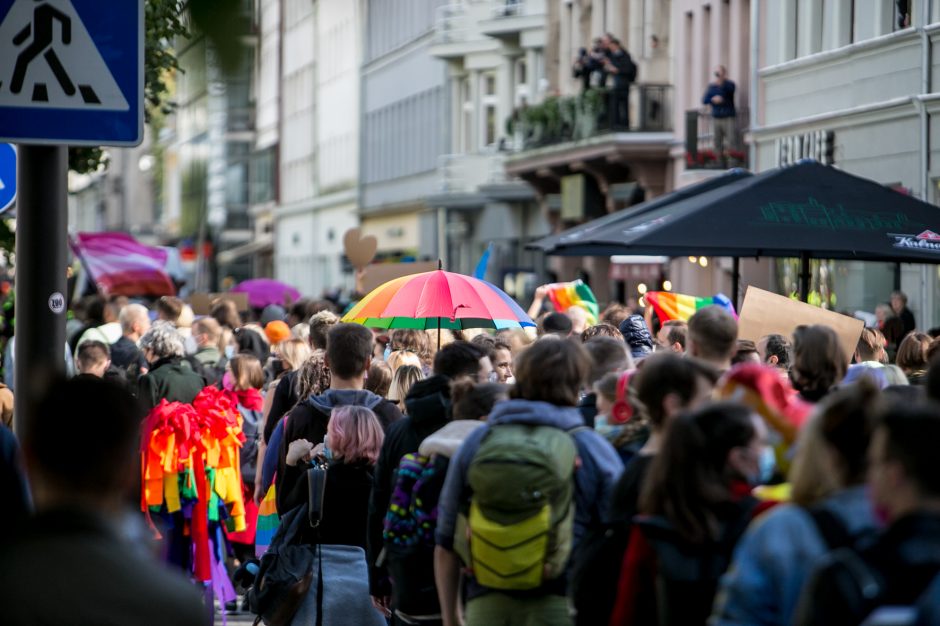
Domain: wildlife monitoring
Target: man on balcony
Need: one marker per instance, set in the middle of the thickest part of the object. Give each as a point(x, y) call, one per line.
point(619, 64)
point(720, 96)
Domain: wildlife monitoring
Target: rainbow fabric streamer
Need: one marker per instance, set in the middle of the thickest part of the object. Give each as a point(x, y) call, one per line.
point(190, 462)
point(576, 293)
point(677, 306)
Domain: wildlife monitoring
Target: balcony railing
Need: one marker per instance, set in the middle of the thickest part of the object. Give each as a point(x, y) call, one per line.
point(594, 112)
point(451, 24)
point(700, 139)
point(466, 172)
point(517, 8)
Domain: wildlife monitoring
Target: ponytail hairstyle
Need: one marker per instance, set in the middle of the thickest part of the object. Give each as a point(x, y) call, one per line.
point(689, 477)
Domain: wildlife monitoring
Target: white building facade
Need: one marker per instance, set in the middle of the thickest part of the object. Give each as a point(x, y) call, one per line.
point(495, 59)
point(318, 142)
point(855, 84)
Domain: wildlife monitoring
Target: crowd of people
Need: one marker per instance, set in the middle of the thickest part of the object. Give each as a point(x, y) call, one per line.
point(625, 470)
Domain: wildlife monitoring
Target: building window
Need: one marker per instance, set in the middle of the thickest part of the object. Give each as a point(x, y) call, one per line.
point(466, 116)
point(489, 102)
point(903, 14)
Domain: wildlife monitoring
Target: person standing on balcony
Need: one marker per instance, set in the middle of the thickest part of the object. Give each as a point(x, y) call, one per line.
point(720, 96)
point(619, 65)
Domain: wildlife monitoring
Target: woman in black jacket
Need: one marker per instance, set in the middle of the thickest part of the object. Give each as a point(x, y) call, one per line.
point(354, 438)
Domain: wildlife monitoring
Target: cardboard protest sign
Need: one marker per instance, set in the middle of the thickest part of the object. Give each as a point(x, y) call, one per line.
point(201, 303)
point(765, 313)
point(358, 249)
point(380, 273)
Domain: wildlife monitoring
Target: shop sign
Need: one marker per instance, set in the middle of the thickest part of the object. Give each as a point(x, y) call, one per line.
point(818, 145)
point(927, 240)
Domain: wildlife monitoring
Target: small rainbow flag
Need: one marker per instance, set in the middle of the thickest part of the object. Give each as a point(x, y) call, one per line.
point(576, 293)
point(677, 306)
point(268, 521)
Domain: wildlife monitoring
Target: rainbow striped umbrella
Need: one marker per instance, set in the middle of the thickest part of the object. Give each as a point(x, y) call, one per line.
point(438, 299)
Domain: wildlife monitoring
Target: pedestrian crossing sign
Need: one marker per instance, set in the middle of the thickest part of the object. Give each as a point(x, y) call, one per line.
point(71, 72)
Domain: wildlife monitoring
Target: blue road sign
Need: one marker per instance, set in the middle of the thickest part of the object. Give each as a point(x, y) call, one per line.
point(7, 176)
point(72, 72)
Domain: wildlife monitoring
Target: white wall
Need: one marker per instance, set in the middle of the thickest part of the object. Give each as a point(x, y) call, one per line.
point(298, 74)
point(269, 74)
point(339, 56)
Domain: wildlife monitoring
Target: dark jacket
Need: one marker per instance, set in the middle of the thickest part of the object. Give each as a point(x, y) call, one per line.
point(588, 408)
point(894, 571)
point(428, 405)
point(107, 580)
point(14, 492)
point(125, 354)
point(626, 69)
point(637, 336)
point(169, 379)
point(285, 397)
point(726, 91)
point(308, 420)
point(345, 505)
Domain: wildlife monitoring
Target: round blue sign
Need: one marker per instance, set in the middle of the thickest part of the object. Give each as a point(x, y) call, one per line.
point(7, 176)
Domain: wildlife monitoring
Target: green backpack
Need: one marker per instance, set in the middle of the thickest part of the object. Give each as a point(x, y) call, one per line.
point(521, 516)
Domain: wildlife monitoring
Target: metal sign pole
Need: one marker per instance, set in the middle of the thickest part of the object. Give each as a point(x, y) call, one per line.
point(41, 261)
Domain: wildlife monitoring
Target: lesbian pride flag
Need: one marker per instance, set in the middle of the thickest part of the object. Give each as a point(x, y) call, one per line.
point(122, 266)
point(677, 306)
point(576, 293)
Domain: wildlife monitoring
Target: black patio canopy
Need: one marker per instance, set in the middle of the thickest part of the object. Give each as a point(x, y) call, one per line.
point(804, 210)
point(577, 233)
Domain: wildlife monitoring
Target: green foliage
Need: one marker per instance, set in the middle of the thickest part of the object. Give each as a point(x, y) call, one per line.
point(559, 118)
point(163, 23)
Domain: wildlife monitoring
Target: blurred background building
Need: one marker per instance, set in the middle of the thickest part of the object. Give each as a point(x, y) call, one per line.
point(446, 128)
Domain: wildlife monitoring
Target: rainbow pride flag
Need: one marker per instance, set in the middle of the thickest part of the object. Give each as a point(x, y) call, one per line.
point(677, 306)
point(576, 293)
point(268, 521)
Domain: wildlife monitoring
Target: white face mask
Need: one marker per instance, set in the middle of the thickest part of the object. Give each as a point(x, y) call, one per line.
point(229, 352)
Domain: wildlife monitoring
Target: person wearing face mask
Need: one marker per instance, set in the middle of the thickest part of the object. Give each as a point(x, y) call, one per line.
point(898, 574)
point(695, 504)
point(167, 378)
point(829, 507)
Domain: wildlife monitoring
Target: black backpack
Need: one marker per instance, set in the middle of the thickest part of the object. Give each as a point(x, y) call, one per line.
point(251, 427)
point(212, 373)
point(285, 573)
point(687, 576)
point(595, 570)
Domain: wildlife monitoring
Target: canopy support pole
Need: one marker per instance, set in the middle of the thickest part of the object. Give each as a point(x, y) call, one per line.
point(804, 277)
point(735, 280)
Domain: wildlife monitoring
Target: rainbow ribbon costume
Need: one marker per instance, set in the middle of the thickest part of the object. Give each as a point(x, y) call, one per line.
point(191, 476)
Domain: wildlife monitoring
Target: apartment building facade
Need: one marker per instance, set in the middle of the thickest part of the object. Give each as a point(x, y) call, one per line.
point(495, 60)
point(318, 143)
point(405, 126)
point(854, 85)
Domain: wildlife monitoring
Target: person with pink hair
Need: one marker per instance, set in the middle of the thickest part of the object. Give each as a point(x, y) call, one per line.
point(351, 447)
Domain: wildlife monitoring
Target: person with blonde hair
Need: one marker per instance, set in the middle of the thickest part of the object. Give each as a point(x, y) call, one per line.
point(403, 380)
point(293, 353)
point(400, 358)
point(774, 558)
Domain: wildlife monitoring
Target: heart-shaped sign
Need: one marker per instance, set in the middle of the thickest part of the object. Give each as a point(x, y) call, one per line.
point(359, 250)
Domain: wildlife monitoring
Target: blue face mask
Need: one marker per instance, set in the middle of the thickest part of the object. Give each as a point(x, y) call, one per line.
point(768, 464)
point(229, 352)
point(388, 351)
